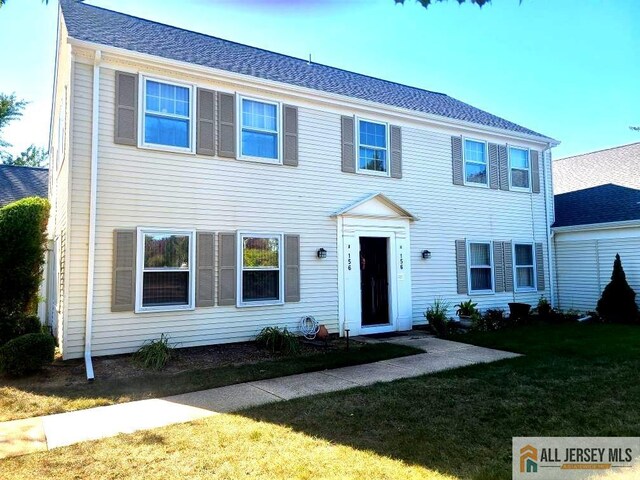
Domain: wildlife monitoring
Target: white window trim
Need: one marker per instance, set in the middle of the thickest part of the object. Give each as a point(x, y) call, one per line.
point(141, 231)
point(279, 123)
point(511, 187)
point(142, 107)
point(365, 171)
point(515, 267)
point(239, 255)
point(61, 146)
point(464, 163)
point(480, 292)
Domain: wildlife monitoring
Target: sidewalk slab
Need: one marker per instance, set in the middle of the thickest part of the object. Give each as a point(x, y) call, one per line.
point(303, 385)
point(225, 399)
point(429, 363)
point(19, 437)
point(370, 373)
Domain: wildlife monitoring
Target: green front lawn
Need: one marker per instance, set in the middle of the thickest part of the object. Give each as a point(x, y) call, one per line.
point(574, 380)
point(32, 396)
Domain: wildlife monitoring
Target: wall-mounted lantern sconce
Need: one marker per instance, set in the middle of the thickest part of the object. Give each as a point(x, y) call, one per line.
point(321, 253)
point(426, 254)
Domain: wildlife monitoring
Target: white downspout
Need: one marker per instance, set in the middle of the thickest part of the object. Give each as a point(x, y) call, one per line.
point(549, 183)
point(92, 215)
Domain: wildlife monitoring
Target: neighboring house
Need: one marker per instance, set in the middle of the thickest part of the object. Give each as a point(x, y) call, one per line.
point(21, 182)
point(596, 221)
point(207, 189)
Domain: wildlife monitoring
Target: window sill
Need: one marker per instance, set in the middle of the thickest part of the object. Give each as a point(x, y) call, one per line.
point(259, 304)
point(269, 161)
point(167, 308)
point(373, 173)
point(519, 189)
point(526, 290)
point(481, 292)
point(167, 149)
point(478, 185)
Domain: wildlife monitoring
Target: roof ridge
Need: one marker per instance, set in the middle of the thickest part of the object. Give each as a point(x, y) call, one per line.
point(24, 166)
point(597, 151)
point(258, 48)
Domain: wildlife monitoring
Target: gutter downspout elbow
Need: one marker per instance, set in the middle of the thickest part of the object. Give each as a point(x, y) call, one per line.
point(92, 215)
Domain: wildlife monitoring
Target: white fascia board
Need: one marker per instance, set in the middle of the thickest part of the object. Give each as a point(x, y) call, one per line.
point(597, 226)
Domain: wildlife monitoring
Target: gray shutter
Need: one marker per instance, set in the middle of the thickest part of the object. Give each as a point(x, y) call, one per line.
point(205, 273)
point(227, 268)
point(290, 156)
point(348, 145)
point(508, 266)
point(123, 282)
point(498, 266)
point(461, 266)
point(456, 160)
point(540, 267)
point(396, 151)
point(503, 166)
point(494, 176)
point(535, 172)
point(292, 268)
point(126, 106)
point(226, 125)
point(206, 125)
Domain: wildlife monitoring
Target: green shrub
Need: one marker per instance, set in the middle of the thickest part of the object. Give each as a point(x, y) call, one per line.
point(436, 315)
point(618, 301)
point(17, 324)
point(492, 320)
point(276, 340)
point(466, 309)
point(544, 309)
point(155, 354)
point(27, 354)
point(22, 247)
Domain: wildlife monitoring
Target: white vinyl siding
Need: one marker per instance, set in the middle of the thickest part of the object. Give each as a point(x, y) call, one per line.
point(169, 192)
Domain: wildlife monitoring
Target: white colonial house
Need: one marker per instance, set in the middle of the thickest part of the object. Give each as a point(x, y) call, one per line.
point(206, 189)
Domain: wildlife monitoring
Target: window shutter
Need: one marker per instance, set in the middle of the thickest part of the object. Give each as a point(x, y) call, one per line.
point(396, 151)
point(290, 156)
point(348, 145)
point(456, 159)
point(123, 289)
point(292, 268)
point(494, 176)
point(227, 268)
point(226, 125)
point(126, 105)
point(503, 165)
point(461, 266)
point(205, 274)
point(508, 266)
point(535, 172)
point(498, 266)
point(205, 139)
point(540, 267)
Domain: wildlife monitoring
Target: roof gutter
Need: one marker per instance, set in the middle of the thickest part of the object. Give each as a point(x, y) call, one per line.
point(304, 92)
point(597, 226)
point(95, 110)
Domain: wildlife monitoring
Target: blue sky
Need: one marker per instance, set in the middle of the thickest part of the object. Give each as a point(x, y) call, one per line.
point(569, 69)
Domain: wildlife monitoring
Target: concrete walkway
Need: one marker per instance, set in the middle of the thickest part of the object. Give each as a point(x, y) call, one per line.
point(20, 437)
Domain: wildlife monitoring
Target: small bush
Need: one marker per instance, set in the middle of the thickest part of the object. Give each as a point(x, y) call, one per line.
point(22, 247)
point(277, 340)
point(155, 354)
point(27, 354)
point(544, 309)
point(16, 325)
point(492, 320)
point(436, 315)
point(618, 301)
point(466, 309)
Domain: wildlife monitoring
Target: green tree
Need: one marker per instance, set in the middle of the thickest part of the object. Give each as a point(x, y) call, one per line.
point(32, 157)
point(618, 301)
point(10, 109)
point(2, 2)
point(426, 3)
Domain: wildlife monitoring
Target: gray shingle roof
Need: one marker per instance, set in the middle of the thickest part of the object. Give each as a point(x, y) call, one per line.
point(618, 165)
point(601, 204)
point(106, 27)
point(21, 182)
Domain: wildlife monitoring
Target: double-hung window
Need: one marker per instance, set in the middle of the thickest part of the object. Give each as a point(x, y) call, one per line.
point(167, 119)
point(480, 267)
point(261, 279)
point(372, 147)
point(475, 162)
point(259, 137)
point(520, 168)
point(524, 265)
point(165, 270)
